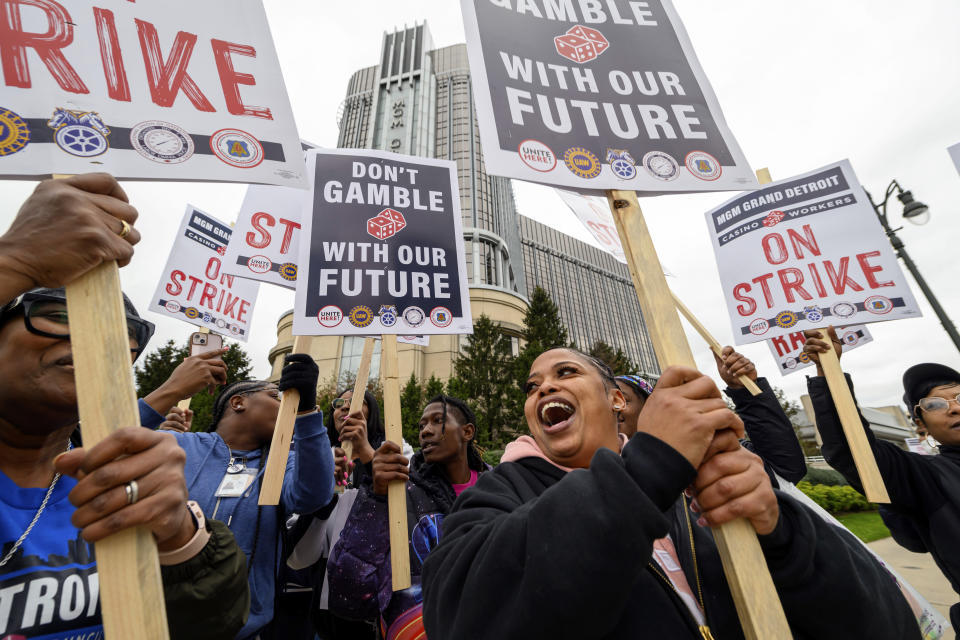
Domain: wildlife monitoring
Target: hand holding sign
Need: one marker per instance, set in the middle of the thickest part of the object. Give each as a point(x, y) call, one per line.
point(63, 230)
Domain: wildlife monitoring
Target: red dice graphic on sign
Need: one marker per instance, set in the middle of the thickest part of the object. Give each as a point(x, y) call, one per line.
point(581, 44)
point(386, 224)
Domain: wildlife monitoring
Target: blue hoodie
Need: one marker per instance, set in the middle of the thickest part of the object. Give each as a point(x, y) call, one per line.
point(307, 486)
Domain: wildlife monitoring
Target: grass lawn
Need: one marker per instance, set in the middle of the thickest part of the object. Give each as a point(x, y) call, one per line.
point(866, 525)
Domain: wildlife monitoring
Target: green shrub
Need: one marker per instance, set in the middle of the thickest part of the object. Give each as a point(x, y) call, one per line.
point(835, 499)
point(829, 477)
point(492, 456)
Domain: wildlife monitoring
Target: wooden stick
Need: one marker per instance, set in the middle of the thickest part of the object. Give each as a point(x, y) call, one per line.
point(396, 490)
point(356, 400)
point(863, 457)
point(754, 594)
point(185, 403)
point(131, 592)
point(282, 437)
point(745, 380)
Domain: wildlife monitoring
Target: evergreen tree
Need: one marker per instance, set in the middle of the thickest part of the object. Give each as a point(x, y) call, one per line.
point(478, 378)
point(158, 365)
point(544, 330)
point(433, 388)
point(616, 359)
point(411, 406)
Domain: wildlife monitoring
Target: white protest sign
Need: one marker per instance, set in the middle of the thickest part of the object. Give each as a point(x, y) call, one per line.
point(597, 95)
point(172, 90)
point(803, 253)
point(954, 152)
point(594, 213)
point(788, 352)
point(266, 238)
point(420, 341)
point(193, 287)
point(382, 249)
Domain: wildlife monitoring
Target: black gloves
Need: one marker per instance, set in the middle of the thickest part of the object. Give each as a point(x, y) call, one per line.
point(300, 372)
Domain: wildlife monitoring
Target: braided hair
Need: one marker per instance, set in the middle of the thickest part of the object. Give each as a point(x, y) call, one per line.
point(222, 401)
point(474, 453)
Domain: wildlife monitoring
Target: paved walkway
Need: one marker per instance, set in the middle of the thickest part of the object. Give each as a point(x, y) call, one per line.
point(919, 570)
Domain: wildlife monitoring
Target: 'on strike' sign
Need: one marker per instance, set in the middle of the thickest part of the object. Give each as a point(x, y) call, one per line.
point(194, 287)
point(161, 90)
point(381, 249)
point(803, 253)
point(597, 95)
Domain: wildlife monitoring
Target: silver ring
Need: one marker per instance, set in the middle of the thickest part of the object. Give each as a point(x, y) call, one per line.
point(133, 491)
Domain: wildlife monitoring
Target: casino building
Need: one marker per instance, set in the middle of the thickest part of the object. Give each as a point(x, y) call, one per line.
point(418, 101)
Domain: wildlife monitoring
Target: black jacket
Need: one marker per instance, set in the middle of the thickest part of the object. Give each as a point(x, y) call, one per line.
point(208, 596)
point(770, 431)
point(534, 552)
point(924, 510)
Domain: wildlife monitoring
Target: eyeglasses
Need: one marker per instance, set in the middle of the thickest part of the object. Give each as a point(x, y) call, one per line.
point(273, 392)
point(339, 402)
point(937, 405)
point(49, 318)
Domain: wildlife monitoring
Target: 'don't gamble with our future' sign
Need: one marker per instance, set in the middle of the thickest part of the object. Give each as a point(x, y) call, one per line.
point(382, 247)
point(597, 95)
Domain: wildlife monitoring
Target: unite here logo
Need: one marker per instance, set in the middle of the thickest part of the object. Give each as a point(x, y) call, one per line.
point(581, 44)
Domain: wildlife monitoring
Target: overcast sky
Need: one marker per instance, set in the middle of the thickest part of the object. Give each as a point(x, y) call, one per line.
point(801, 85)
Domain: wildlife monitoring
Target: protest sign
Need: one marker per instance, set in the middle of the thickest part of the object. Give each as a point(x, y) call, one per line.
point(954, 152)
point(383, 248)
point(803, 253)
point(266, 238)
point(788, 352)
point(597, 96)
point(266, 241)
point(594, 213)
point(173, 90)
point(193, 287)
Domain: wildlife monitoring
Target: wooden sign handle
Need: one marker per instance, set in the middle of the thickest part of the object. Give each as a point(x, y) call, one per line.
point(282, 437)
point(185, 403)
point(754, 594)
point(363, 376)
point(863, 456)
point(396, 490)
point(131, 592)
point(745, 380)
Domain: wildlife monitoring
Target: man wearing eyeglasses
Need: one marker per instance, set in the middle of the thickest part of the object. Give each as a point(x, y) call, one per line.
point(56, 497)
point(924, 509)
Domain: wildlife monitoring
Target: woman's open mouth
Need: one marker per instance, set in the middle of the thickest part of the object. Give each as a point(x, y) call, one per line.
point(555, 416)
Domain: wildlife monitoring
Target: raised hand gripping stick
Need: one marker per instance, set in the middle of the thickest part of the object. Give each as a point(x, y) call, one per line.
point(754, 594)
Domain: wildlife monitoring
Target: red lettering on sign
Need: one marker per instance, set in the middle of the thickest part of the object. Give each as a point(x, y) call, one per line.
point(168, 78)
point(206, 298)
point(778, 243)
point(839, 280)
point(817, 280)
point(796, 340)
point(255, 221)
point(14, 42)
point(173, 287)
point(869, 270)
point(806, 240)
point(231, 79)
point(742, 310)
point(193, 286)
point(117, 86)
point(213, 264)
point(791, 280)
point(765, 286)
point(289, 225)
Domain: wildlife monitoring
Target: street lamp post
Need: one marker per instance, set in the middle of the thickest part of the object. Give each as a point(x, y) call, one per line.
point(917, 213)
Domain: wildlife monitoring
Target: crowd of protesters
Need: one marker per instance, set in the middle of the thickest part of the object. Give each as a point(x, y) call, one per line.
point(595, 525)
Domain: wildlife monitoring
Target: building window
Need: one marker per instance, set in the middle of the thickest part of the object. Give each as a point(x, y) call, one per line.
point(350, 360)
